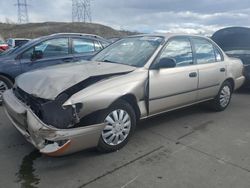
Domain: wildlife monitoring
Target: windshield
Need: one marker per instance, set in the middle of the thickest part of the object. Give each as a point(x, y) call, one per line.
point(134, 51)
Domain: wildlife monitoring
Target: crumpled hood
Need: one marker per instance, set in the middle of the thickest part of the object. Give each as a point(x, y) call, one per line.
point(48, 83)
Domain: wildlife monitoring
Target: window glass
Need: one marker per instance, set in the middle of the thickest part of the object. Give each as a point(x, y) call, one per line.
point(98, 46)
point(20, 42)
point(133, 51)
point(204, 51)
point(50, 48)
point(180, 50)
point(27, 54)
point(104, 44)
point(218, 55)
point(83, 46)
point(9, 42)
point(54, 47)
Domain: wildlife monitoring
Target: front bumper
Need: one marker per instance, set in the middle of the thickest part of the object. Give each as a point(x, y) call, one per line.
point(49, 140)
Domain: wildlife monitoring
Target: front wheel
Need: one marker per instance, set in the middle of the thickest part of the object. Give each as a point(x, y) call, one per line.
point(120, 122)
point(223, 98)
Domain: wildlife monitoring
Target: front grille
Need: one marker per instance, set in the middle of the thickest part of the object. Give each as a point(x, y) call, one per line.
point(33, 102)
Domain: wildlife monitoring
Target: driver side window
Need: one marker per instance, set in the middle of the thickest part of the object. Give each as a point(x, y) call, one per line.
point(27, 54)
point(179, 50)
point(49, 48)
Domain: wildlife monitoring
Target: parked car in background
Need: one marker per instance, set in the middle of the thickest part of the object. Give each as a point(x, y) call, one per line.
point(70, 107)
point(46, 51)
point(3, 46)
point(235, 41)
point(16, 42)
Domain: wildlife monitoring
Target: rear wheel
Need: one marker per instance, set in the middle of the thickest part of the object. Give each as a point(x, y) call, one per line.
point(223, 98)
point(5, 84)
point(120, 122)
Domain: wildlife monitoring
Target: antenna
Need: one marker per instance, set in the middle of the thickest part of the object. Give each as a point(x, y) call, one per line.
point(22, 11)
point(81, 11)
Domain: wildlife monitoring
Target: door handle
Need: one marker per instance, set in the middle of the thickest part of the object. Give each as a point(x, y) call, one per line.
point(193, 74)
point(222, 70)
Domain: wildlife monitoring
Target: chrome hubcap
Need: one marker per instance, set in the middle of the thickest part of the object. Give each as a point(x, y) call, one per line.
point(3, 88)
point(225, 96)
point(117, 128)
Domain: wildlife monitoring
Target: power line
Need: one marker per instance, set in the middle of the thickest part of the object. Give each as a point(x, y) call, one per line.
point(81, 11)
point(22, 11)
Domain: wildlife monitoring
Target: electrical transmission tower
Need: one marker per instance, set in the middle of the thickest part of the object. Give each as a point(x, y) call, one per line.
point(81, 11)
point(22, 11)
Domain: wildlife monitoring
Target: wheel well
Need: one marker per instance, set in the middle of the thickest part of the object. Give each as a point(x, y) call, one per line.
point(133, 102)
point(231, 81)
point(91, 118)
point(8, 76)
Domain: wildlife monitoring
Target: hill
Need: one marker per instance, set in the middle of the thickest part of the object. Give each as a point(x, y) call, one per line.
point(33, 30)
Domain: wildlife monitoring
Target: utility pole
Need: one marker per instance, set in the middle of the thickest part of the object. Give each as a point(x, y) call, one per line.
point(81, 11)
point(22, 11)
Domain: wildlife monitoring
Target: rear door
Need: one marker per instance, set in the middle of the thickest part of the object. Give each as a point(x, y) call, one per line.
point(53, 51)
point(173, 87)
point(211, 67)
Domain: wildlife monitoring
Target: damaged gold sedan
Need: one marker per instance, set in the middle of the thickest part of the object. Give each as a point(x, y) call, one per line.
point(67, 108)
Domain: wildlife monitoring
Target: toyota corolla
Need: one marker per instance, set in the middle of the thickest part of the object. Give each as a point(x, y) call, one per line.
point(67, 108)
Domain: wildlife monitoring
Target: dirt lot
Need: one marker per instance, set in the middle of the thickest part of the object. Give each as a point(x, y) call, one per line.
point(187, 148)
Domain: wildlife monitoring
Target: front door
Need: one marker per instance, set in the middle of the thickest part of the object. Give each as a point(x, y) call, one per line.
point(171, 88)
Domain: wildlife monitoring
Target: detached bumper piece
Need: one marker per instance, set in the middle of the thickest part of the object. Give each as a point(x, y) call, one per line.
point(48, 139)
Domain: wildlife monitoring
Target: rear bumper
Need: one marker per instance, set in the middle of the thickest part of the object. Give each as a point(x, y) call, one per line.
point(238, 82)
point(48, 139)
point(247, 75)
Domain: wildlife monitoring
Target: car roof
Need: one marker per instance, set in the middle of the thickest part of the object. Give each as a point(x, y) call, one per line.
point(76, 35)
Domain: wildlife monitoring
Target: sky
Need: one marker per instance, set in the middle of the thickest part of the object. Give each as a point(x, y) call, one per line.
point(176, 16)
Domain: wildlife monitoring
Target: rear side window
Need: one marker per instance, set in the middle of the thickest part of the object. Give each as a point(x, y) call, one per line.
point(204, 51)
point(180, 50)
point(82, 46)
point(218, 55)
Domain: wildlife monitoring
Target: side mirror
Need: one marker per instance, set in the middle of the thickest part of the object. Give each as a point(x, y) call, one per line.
point(166, 63)
point(37, 54)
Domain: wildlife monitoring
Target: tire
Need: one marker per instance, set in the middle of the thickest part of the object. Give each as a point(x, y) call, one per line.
point(223, 98)
point(111, 138)
point(5, 84)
